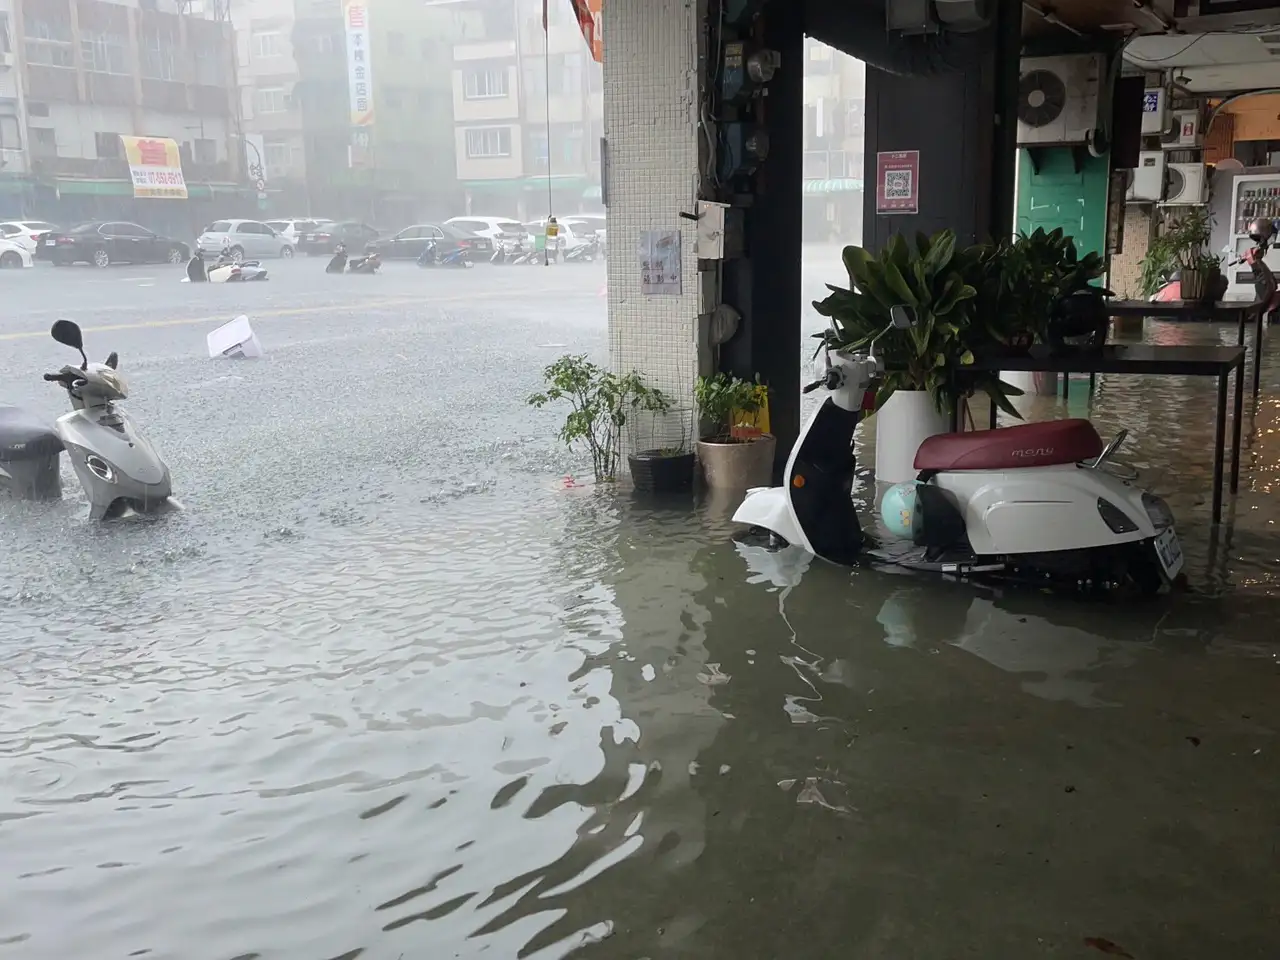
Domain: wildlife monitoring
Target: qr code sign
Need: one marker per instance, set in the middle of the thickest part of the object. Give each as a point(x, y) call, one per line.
point(897, 184)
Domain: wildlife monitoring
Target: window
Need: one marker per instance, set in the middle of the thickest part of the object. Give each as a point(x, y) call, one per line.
point(267, 43)
point(325, 43)
point(539, 150)
point(48, 43)
point(489, 142)
point(43, 142)
point(108, 146)
point(9, 138)
point(157, 55)
point(485, 82)
point(205, 151)
point(277, 157)
point(128, 230)
point(572, 147)
point(566, 73)
point(211, 66)
point(103, 52)
point(272, 100)
point(395, 44)
point(5, 46)
point(218, 226)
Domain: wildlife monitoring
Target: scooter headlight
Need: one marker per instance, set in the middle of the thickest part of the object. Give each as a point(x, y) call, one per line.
point(113, 379)
point(100, 468)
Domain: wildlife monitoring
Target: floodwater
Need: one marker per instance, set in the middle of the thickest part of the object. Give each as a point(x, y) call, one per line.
point(388, 689)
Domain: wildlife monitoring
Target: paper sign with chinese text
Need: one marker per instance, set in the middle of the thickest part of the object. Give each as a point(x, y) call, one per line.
point(660, 269)
point(155, 167)
point(355, 15)
point(898, 181)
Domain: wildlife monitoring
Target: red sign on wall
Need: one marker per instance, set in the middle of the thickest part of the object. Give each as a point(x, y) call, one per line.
point(898, 182)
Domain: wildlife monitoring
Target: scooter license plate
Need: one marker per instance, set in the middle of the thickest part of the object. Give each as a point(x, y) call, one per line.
point(1169, 552)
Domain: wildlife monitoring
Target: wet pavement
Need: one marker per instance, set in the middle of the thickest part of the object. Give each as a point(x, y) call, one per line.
point(387, 689)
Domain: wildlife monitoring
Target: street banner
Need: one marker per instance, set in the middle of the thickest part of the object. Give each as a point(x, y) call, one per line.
point(156, 167)
point(589, 20)
point(359, 70)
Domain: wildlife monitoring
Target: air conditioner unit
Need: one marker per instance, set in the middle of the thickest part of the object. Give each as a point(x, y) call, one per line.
point(1186, 184)
point(1058, 99)
point(6, 61)
point(1184, 131)
point(1154, 119)
point(1146, 181)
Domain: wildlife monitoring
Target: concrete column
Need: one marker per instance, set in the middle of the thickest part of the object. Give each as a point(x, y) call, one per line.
point(650, 122)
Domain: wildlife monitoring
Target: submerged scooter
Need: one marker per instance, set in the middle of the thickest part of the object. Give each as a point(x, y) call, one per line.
point(369, 263)
point(1037, 502)
point(338, 263)
point(227, 269)
point(119, 470)
point(195, 268)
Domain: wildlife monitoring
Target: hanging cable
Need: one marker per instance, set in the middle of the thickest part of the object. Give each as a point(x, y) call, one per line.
point(546, 82)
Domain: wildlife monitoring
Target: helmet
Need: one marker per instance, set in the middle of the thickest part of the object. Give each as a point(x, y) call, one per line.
point(899, 510)
point(1261, 229)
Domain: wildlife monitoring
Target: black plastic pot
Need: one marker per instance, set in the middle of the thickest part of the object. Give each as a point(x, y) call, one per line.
point(657, 471)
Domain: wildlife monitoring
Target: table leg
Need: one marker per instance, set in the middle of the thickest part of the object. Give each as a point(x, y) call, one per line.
point(1257, 351)
point(1219, 442)
point(991, 417)
point(1235, 427)
point(1066, 386)
point(955, 416)
point(1240, 330)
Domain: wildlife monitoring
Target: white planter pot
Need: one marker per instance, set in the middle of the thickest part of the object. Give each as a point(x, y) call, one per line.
point(906, 420)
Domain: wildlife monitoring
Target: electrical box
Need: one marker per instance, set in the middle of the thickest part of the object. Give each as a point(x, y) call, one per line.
point(1154, 120)
point(711, 229)
point(1147, 182)
point(743, 147)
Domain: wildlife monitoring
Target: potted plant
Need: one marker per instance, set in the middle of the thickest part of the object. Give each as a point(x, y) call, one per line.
point(663, 468)
point(734, 454)
point(1183, 247)
point(923, 364)
point(600, 403)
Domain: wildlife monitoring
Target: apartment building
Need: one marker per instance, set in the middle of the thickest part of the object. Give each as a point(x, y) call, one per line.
point(834, 128)
point(528, 109)
point(13, 153)
point(296, 97)
point(92, 70)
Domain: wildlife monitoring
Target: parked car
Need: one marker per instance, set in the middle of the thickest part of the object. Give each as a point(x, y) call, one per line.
point(294, 227)
point(26, 233)
point(488, 229)
point(587, 225)
point(566, 238)
point(246, 239)
point(103, 243)
point(14, 256)
point(355, 236)
point(409, 243)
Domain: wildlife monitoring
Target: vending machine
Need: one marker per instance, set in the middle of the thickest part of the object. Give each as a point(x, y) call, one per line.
point(1253, 196)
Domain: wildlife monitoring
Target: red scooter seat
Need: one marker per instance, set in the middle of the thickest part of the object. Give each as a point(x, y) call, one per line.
point(1028, 445)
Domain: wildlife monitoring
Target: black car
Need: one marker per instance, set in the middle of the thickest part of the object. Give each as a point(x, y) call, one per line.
point(103, 243)
point(355, 236)
point(409, 243)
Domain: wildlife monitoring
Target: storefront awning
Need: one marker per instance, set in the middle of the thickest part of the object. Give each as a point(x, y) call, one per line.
point(521, 184)
point(843, 185)
point(124, 188)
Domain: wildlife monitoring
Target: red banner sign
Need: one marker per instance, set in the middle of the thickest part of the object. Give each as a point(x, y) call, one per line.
point(590, 20)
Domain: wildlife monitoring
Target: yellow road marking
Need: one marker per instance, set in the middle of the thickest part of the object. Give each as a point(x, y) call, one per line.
point(284, 312)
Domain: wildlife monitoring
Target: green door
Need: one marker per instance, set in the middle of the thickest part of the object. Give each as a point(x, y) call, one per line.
point(1059, 196)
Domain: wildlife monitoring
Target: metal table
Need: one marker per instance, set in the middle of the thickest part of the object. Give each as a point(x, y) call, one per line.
point(1150, 360)
point(1222, 311)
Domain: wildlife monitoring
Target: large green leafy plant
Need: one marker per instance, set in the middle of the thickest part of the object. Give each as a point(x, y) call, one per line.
point(938, 283)
point(1020, 278)
point(1183, 245)
point(719, 397)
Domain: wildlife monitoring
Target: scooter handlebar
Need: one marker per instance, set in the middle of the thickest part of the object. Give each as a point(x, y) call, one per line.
point(813, 386)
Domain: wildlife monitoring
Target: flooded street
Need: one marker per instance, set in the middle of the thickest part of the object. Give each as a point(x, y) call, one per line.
point(387, 689)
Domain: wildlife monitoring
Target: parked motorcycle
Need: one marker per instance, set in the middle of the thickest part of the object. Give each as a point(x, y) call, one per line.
point(507, 252)
point(456, 257)
point(1039, 502)
point(338, 262)
point(196, 272)
point(228, 269)
point(585, 252)
point(119, 470)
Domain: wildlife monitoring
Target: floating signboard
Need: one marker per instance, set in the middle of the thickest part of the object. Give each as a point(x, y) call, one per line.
point(156, 167)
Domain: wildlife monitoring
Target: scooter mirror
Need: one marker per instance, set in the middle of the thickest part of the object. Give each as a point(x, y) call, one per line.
point(901, 317)
point(113, 359)
point(68, 334)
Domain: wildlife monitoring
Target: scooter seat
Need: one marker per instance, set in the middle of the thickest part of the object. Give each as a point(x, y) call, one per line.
point(1052, 443)
point(24, 437)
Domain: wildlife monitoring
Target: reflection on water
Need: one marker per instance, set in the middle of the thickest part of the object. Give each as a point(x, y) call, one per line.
point(524, 721)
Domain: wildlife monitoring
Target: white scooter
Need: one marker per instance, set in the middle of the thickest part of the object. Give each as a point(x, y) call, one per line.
point(1037, 502)
point(228, 270)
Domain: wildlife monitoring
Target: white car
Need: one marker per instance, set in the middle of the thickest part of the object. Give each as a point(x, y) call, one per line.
point(14, 256)
point(489, 230)
point(26, 233)
point(246, 239)
point(291, 228)
point(566, 237)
